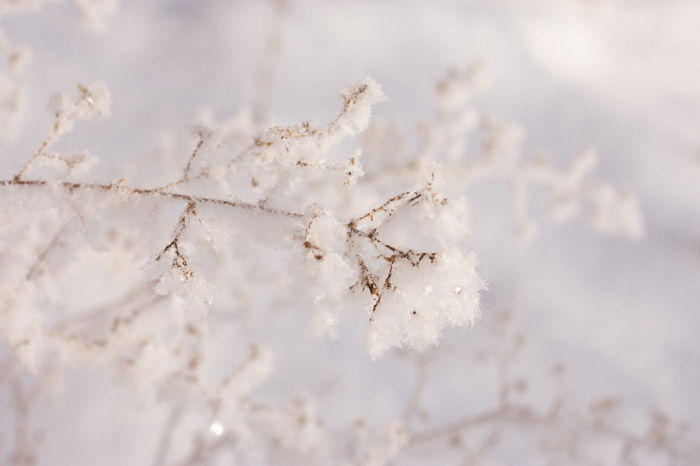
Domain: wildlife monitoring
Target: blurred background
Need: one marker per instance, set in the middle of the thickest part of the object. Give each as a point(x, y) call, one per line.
point(619, 76)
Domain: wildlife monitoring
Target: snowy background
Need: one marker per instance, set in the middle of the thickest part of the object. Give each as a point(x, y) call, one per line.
point(620, 76)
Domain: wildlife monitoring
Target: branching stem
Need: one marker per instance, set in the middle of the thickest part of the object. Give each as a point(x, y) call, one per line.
point(76, 186)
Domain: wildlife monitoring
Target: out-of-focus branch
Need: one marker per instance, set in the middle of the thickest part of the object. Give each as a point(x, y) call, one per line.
point(265, 71)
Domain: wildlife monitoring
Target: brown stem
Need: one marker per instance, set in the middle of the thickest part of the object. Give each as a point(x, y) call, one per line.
point(74, 186)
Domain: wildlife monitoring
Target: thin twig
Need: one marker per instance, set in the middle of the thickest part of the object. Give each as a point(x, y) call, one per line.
point(73, 186)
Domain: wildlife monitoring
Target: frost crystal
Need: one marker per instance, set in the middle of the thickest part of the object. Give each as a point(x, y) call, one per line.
point(424, 300)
